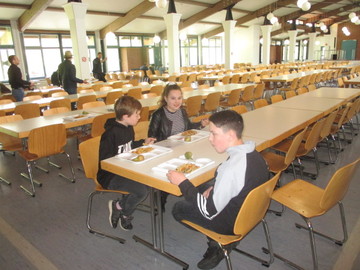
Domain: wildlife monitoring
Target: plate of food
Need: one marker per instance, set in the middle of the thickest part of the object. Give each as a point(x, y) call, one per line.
point(182, 165)
point(80, 116)
point(144, 153)
point(190, 136)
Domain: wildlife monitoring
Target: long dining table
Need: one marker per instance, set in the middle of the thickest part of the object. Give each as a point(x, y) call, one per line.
point(290, 77)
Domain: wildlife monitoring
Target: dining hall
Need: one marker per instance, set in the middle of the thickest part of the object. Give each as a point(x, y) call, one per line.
point(179, 134)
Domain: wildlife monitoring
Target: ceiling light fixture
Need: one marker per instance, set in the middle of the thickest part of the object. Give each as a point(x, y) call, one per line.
point(182, 36)
point(306, 6)
point(161, 3)
point(156, 39)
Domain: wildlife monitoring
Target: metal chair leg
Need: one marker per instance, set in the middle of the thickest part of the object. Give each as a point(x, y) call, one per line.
point(3, 180)
point(53, 164)
point(73, 179)
point(31, 193)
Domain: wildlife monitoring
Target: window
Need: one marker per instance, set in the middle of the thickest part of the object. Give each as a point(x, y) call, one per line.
point(212, 51)
point(6, 49)
point(189, 51)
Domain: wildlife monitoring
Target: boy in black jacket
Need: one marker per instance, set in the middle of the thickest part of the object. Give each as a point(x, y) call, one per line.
point(118, 138)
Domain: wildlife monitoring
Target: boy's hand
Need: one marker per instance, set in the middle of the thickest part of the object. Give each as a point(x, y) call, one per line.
point(175, 177)
point(206, 193)
point(149, 141)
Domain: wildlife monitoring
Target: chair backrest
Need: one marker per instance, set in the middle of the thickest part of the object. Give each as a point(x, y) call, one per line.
point(106, 88)
point(144, 114)
point(48, 140)
point(314, 135)
point(325, 131)
point(340, 82)
point(301, 90)
point(311, 87)
point(32, 97)
point(276, 98)
point(87, 91)
point(27, 111)
point(212, 101)
point(55, 111)
point(259, 90)
point(291, 153)
point(135, 93)
point(183, 78)
point(157, 89)
point(260, 103)
point(338, 185)
point(112, 96)
point(294, 84)
point(10, 118)
point(93, 104)
point(192, 77)
point(97, 127)
point(141, 130)
point(290, 94)
point(235, 78)
point(89, 152)
point(85, 99)
point(172, 78)
point(244, 78)
point(193, 105)
point(61, 103)
point(51, 92)
point(5, 101)
point(117, 85)
point(134, 82)
point(35, 93)
point(60, 94)
point(254, 207)
point(234, 97)
point(248, 93)
point(226, 80)
point(240, 109)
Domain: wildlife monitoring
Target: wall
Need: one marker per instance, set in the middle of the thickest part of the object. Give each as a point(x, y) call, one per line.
point(354, 34)
point(246, 45)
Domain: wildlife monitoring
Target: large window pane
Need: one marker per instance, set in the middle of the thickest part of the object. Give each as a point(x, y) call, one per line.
point(136, 42)
point(52, 59)
point(31, 40)
point(50, 41)
point(5, 36)
point(35, 64)
point(113, 63)
point(91, 40)
point(124, 41)
point(66, 41)
point(193, 56)
point(4, 54)
point(148, 41)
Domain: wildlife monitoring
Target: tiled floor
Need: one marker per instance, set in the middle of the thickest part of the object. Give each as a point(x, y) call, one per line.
point(49, 231)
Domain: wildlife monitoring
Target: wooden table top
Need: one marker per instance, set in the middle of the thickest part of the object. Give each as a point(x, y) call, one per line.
point(339, 93)
point(353, 81)
point(291, 77)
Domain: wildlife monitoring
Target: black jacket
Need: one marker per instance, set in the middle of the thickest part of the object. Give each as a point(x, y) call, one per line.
point(160, 125)
point(116, 139)
point(15, 78)
point(67, 77)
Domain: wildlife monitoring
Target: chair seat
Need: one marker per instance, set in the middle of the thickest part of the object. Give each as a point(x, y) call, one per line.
point(31, 157)
point(301, 197)
point(275, 162)
point(220, 238)
point(285, 145)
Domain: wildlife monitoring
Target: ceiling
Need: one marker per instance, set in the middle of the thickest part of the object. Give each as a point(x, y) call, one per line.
point(199, 17)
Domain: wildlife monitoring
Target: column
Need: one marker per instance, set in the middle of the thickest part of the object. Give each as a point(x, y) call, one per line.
point(292, 39)
point(311, 48)
point(76, 13)
point(172, 29)
point(266, 32)
point(229, 27)
point(16, 34)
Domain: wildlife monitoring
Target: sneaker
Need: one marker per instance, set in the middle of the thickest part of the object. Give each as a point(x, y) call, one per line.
point(125, 222)
point(212, 257)
point(114, 213)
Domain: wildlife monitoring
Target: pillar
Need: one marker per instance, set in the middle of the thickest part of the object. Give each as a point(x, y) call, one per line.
point(266, 33)
point(172, 29)
point(16, 35)
point(311, 48)
point(292, 39)
point(229, 27)
point(76, 13)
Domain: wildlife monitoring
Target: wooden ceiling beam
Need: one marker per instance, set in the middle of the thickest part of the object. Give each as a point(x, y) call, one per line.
point(30, 14)
point(129, 17)
point(202, 15)
point(325, 15)
point(253, 15)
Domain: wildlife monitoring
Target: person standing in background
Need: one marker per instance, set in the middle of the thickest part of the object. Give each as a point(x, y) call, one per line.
point(15, 78)
point(97, 68)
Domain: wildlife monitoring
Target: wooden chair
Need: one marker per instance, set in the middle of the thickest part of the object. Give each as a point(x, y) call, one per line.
point(134, 82)
point(340, 82)
point(97, 126)
point(144, 114)
point(251, 213)
point(259, 91)
point(9, 143)
point(117, 85)
point(192, 77)
point(337, 126)
point(240, 109)
point(55, 111)
point(61, 103)
point(2, 113)
point(34, 93)
point(186, 84)
point(141, 130)
point(244, 78)
point(290, 94)
point(276, 98)
point(212, 102)
point(51, 92)
point(183, 78)
point(106, 88)
point(135, 93)
point(157, 90)
point(44, 142)
point(172, 78)
point(247, 95)
point(311, 201)
point(311, 87)
point(260, 103)
point(60, 94)
point(27, 111)
point(293, 86)
point(89, 153)
point(93, 104)
point(232, 99)
point(204, 86)
point(84, 99)
point(226, 80)
point(5, 101)
point(33, 97)
point(235, 78)
point(325, 133)
point(112, 96)
point(193, 105)
point(302, 90)
point(87, 91)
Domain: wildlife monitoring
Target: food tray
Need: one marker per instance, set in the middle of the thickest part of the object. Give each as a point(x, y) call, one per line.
point(200, 134)
point(174, 163)
point(156, 152)
point(77, 117)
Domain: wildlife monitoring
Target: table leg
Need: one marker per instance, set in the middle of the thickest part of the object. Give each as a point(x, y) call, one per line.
point(157, 228)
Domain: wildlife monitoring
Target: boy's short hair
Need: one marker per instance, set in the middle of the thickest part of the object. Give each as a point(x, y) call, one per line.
point(126, 105)
point(11, 58)
point(228, 120)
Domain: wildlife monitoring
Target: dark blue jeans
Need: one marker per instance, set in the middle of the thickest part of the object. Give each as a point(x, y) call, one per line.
point(18, 94)
point(138, 193)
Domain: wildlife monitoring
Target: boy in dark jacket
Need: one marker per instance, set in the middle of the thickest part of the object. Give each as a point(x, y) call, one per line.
point(118, 138)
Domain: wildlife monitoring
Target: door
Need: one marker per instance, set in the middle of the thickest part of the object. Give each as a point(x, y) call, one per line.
point(349, 48)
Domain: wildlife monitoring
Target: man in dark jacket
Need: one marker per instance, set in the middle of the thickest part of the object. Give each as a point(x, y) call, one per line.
point(67, 74)
point(97, 69)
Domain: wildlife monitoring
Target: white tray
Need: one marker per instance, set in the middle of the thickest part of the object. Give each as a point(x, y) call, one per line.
point(156, 152)
point(77, 117)
point(172, 164)
point(200, 134)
